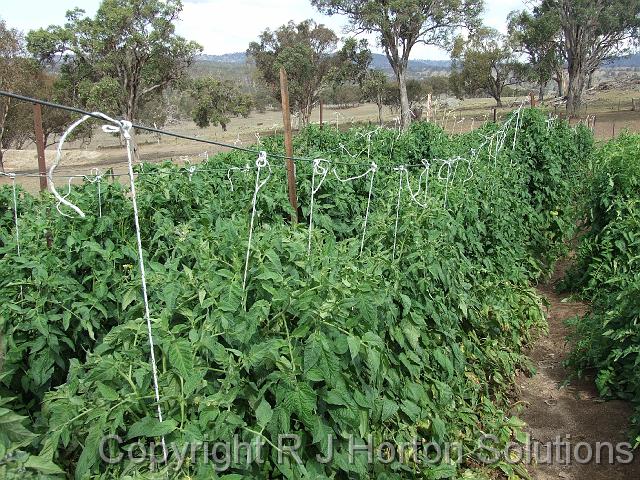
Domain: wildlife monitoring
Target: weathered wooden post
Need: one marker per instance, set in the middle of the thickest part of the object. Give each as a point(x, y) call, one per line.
point(42, 166)
point(288, 144)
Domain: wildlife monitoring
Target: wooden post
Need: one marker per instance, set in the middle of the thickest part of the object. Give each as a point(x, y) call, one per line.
point(613, 129)
point(42, 166)
point(321, 108)
point(532, 99)
point(495, 115)
point(288, 143)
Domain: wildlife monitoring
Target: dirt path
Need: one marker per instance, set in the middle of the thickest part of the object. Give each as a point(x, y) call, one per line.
point(572, 411)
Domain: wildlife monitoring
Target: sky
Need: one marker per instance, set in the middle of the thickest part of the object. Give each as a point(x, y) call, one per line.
point(223, 26)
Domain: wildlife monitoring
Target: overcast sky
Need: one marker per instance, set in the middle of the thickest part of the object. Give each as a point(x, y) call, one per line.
point(224, 26)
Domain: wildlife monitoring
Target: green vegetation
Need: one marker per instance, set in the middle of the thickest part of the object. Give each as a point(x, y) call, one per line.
point(607, 273)
point(421, 344)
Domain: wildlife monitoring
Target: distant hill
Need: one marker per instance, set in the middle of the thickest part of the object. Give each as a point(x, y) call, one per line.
point(380, 62)
point(629, 61)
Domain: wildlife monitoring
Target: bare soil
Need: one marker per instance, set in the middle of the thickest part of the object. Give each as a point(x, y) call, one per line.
point(555, 407)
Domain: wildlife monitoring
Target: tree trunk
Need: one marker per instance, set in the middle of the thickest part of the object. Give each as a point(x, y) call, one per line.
point(541, 92)
point(576, 86)
point(405, 110)
point(498, 102)
point(1, 159)
point(380, 112)
point(560, 83)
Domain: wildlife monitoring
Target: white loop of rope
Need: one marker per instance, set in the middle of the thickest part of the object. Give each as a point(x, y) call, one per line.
point(261, 163)
point(412, 194)
point(191, 170)
point(245, 169)
point(64, 197)
point(449, 164)
point(318, 169)
point(124, 128)
point(401, 169)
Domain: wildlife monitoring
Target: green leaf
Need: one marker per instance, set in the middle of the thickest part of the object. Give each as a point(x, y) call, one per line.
point(181, 357)
point(354, 346)
point(107, 392)
point(43, 465)
point(151, 427)
point(264, 413)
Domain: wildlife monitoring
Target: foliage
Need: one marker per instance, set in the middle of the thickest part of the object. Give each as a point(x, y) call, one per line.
point(216, 101)
point(485, 62)
point(592, 32)
point(607, 273)
point(129, 51)
point(424, 343)
point(305, 50)
point(537, 36)
point(401, 24)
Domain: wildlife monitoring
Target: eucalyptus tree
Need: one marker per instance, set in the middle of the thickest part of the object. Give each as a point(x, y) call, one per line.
point(400, 25)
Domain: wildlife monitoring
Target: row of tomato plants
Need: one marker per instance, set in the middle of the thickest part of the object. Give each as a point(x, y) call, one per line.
point(607, 274)
point(335, 343)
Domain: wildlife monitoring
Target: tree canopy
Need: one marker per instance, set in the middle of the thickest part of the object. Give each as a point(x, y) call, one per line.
point(122, 57)
point(306, 51)
point(537, 36)
point(216, 101)
point(485, 62)
point(592, 31)
point(402, 24)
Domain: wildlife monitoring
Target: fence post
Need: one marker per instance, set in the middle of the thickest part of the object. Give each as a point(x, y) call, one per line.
point(495, 115)
point(532, 99)
point(42, 166)
point(321, 109)
point(288, 143)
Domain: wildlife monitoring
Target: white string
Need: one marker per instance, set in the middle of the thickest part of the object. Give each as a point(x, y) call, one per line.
point(124, 128)
point(97, 178)
point(401, 169)
point(261, 162)
point(372, 169)
point(318, 169)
